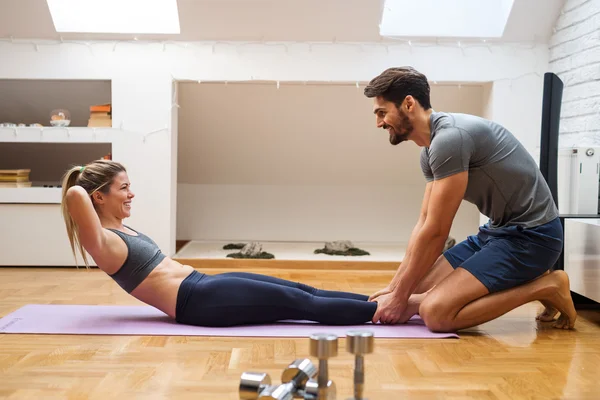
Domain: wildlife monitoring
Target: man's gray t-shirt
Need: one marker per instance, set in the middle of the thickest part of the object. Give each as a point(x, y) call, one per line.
point(505, 183)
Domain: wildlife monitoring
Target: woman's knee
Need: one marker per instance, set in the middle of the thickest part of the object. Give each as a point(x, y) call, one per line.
point(307, 288)
point(435, 314)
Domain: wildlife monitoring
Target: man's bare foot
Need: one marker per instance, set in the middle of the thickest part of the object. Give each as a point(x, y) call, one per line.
point(548, 314)
point(559, 298)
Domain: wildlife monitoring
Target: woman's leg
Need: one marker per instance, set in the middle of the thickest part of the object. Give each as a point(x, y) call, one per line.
point(229, 301)
point(309, 289)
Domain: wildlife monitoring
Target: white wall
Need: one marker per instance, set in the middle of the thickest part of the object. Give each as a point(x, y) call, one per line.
point(522, 113)
point(488, 100)
point(575, 58)
point(142, 74)
point(300, 163)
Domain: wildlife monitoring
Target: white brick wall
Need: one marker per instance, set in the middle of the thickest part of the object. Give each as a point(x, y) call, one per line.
point(575, 58)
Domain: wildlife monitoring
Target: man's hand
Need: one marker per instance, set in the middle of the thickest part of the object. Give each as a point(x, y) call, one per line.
point(381, 292)
point(390, 309)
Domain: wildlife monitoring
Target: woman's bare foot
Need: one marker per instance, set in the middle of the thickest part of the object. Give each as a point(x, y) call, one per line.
point(412, 307)
point(560, 300)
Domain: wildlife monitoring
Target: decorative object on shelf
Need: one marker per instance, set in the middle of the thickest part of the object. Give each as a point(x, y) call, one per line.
point(21, 125)
point(234, 246)
point(341, 248)
point(60, 118)
point(450, 242)
point(252, 250)
point(15, 178)
point(100, 116)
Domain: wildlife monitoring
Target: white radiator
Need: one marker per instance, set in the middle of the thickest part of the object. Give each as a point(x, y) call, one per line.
point(578, 180)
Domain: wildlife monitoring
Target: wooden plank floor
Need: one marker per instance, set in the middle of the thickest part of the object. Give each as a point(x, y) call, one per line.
point(512, 357)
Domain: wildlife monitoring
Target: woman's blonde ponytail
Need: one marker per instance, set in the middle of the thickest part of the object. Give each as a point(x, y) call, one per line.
point(69, 180)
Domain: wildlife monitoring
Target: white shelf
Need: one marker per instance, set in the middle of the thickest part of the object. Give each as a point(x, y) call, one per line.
point(30, 195)
point(67, 135)
point(588, 221)
point(49, 134)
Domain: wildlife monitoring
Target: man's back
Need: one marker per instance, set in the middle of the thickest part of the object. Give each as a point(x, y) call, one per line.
point(505, 183)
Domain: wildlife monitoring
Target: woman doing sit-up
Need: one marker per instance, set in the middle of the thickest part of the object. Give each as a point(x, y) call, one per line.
point(96, 199)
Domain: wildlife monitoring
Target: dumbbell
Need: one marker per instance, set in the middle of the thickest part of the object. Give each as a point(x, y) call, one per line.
point(275, 392)
point(323, 346)
point(359, 343)
point(252, 384)
point(293, 379)
point(298, 374)
point(311, 391)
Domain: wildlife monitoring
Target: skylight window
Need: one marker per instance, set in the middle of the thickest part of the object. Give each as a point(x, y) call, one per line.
point(444, 18)
point(115, 16)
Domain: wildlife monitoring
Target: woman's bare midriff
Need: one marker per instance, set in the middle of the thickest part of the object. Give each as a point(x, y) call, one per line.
point(160, 287)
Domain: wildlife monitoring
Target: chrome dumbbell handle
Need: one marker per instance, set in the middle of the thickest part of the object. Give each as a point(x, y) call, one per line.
point(299, 372)
point(359, 377)
point(359, 343)
point(284, 391)
point(323, 346)
point(323, 378)
point(293, 380)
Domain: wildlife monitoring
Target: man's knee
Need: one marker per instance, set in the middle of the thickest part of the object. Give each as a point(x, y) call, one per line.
point(435, 313)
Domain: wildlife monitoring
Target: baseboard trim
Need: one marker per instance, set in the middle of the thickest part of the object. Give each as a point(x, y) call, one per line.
point(236, 263)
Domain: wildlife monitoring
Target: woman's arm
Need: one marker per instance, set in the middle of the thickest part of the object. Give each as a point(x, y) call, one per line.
point(91, 234)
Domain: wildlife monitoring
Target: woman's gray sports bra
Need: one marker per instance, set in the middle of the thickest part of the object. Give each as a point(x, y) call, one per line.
point(142, 257)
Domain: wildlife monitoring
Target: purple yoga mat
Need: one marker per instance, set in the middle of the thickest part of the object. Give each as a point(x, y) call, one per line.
point(148, 321)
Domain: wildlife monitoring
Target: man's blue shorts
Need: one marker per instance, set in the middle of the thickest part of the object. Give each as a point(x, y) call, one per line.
point(505, 257)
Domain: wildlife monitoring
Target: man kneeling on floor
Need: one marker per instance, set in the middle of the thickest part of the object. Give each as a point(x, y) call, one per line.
point(504, 265)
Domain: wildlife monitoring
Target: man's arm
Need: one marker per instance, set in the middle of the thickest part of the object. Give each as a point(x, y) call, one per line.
point(444, 201)
point(422, 216)
point(415, 232)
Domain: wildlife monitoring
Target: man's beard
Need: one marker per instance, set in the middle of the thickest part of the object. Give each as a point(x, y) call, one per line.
point(396, 139)
point(405, 125)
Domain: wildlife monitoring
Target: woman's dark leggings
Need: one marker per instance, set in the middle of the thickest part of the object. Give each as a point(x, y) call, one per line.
point(241, 298)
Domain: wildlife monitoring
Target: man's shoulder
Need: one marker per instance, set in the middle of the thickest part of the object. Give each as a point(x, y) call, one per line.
point(445, 130)
point(440, 119)
point(452, 127)
point(461, 121)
